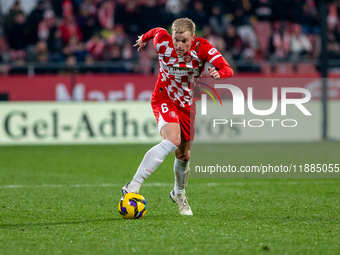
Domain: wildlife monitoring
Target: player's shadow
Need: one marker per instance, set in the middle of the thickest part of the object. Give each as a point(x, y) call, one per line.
point(3, 226)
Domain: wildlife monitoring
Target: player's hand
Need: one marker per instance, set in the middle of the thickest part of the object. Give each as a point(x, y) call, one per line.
point(140, 43)
point(213, 73)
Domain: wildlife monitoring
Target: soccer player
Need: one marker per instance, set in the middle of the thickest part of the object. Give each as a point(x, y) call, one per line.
point(182, 58)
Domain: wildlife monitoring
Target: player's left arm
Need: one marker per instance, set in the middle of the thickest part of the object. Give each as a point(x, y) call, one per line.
point(224, 69)
point(221, 69)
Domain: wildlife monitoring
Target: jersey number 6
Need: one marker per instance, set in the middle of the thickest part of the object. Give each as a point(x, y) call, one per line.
point(164, 108)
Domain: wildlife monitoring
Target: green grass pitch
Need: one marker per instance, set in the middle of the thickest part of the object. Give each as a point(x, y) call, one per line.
point(63, 200)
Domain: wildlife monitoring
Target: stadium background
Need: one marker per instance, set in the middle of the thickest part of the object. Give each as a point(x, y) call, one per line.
point(257, 36)
point(69, 75)
point(83, 51)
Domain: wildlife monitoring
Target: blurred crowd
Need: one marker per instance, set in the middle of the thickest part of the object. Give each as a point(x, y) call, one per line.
point(91, 31)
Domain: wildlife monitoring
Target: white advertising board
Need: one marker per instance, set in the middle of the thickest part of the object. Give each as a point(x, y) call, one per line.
point(133, 122)
point(90, 122)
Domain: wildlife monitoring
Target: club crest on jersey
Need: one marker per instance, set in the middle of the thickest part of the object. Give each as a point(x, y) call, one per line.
point(173, 114)
point(187, 59)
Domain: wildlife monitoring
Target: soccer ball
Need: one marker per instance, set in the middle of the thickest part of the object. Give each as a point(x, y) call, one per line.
point(132, 206)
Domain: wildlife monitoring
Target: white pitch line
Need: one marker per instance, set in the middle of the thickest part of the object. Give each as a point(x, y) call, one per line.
point(80, 185)
point(59, 186)
point(156, 184)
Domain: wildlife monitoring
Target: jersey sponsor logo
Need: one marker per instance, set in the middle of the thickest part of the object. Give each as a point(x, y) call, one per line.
point(212, 51)
point(180, 71)
point(173, 68)
point(187, 59)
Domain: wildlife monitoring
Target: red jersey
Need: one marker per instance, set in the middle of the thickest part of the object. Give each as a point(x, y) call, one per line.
point(177, 75)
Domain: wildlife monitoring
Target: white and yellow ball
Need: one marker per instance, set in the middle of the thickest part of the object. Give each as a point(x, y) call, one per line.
point(132, 206)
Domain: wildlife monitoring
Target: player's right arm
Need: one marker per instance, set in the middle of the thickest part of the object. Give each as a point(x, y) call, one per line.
point(140, 43)
point(155, 33)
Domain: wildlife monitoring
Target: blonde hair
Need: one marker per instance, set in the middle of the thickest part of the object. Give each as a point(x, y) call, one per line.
point(182, 25)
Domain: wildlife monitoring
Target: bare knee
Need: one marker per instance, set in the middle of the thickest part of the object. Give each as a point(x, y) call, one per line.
point(172, 133)
point(174, 140)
